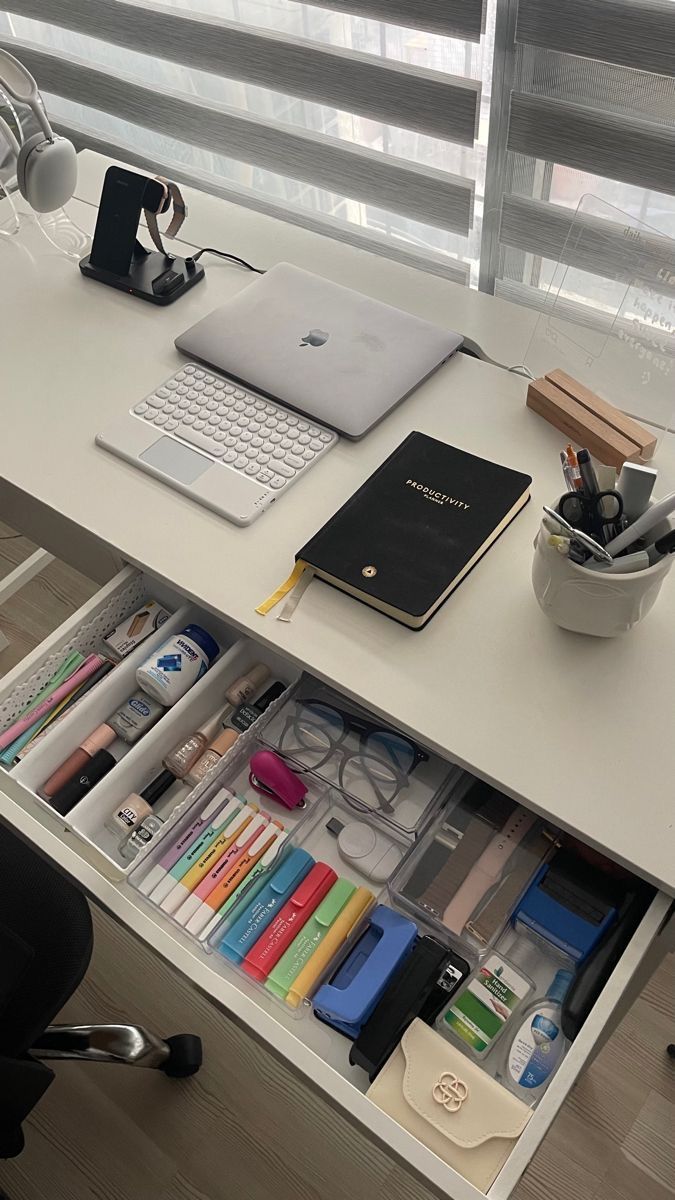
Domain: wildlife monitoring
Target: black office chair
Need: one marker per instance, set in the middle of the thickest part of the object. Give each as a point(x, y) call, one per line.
point(46, 941)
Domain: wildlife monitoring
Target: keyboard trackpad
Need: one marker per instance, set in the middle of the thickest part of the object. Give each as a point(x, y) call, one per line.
point(176, 460)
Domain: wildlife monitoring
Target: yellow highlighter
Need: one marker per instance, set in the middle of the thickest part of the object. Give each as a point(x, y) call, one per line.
point(194, 875)
point(339, 934)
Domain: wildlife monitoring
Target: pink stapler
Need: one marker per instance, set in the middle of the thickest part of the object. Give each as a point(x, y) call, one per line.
point(270, 776)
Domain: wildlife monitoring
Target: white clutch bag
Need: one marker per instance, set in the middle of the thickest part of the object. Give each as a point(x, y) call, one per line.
point(450, 1104)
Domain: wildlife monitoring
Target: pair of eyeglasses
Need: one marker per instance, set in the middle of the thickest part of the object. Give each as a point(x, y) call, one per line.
point(374, 772)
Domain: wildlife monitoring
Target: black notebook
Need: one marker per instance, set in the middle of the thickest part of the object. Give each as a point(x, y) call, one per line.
point(416, 527)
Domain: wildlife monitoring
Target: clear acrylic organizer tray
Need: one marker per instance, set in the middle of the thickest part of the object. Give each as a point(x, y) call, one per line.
point(380, 772)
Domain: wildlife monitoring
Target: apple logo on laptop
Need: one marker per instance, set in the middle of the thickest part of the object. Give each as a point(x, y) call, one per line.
point(315, 337)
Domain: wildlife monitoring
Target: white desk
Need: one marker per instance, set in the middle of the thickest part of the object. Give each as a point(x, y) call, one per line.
point(578, 729)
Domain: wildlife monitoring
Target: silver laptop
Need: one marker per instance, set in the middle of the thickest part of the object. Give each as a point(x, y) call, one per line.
point(334, 355)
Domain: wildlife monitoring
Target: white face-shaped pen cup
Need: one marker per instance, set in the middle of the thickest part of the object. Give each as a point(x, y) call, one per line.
point(588, 601)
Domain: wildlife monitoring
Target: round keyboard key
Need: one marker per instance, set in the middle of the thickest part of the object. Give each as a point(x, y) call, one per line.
point(209, 390)
point(239, 395)
point(243, 420)
point(303, 426)
point(229, 388)
point(260, 405)
point(245, 435)
point(239, 407)
point(283, 427)
point(229, 456)
point(199, 374)
point(181, 390)
point(254, 426)
point(315, 444)
point(235, 429)
point(209, 430)
point(279, 453)
point(199, 385)
point(284, 469)
point(314, 431)
point(141, 408)
point(276, 482)
point(211, 405)
point(180, 376)
point(325, 437)
point(292, 461)
point(189, 369)
point(240, 462)
point(251, 468)
point(184, 403)
point(308, 454)
point(171, 425)
point(155, 402)
point(286, 444)
point(275, 438)
point(160, 419)
point(195, 409)
point(162, 393)
point(290, 419)
point(169, 409)
point(199, 424)
point(256, 442)
point(304, 439)
point(271, 422)
point(263, 459)
point(171, 385)
point(220, 435)
point(251, 452)
point(188, 419)
point(192, 394)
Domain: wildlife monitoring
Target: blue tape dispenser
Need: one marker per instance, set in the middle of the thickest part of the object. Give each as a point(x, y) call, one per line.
point(348, 1000)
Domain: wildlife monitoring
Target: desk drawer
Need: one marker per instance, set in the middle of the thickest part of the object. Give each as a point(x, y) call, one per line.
point(312, 1050)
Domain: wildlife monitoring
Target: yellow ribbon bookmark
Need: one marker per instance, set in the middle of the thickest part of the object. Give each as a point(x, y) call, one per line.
point(283, 589)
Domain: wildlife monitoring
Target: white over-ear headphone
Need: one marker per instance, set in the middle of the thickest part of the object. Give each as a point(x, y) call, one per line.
point(46, 168)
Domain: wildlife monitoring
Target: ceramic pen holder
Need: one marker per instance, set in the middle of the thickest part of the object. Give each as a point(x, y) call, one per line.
point(588, 601)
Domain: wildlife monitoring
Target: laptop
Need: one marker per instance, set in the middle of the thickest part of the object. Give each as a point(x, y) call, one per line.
point(273, 377)
point(323, 350)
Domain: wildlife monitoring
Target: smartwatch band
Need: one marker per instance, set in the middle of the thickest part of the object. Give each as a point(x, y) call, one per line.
point(445, 883)
point(487, 870)
point(172, 196)
point(491, 918)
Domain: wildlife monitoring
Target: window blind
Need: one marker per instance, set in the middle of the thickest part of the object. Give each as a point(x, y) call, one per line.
point(391, 94)
point(589, 92)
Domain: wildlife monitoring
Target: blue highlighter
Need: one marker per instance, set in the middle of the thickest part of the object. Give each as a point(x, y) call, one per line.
point(253, 921)
point(348, 1000)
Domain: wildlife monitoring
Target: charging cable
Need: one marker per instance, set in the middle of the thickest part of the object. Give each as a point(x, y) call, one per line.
point(231, 257)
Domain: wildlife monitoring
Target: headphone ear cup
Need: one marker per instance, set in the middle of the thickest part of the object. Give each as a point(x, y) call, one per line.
point(46, 172)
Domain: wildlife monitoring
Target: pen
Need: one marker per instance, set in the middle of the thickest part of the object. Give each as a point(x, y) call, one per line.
point(662, 546)
point(627, 565)
point(567, 472)
point(574, 466)
point(578, 535)
point(650, 518)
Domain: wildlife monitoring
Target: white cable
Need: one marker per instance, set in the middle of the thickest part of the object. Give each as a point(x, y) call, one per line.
point(474, 349)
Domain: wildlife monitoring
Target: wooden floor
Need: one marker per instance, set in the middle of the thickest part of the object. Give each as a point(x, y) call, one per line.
point(109, 1133)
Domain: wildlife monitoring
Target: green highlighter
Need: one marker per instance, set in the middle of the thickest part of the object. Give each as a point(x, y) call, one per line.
point(309, 938)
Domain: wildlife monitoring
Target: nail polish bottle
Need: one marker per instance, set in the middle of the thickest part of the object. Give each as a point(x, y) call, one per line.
point(215, 752)
point(246, 714)
point(247, 684)
point(185, 753)
point(139, 837)
point(138, 806)
point(102, 737)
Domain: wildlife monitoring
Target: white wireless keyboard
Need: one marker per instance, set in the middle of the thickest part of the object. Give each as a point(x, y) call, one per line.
point(239, 432)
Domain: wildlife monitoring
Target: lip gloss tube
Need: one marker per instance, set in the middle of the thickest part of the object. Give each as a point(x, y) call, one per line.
point(100, 739)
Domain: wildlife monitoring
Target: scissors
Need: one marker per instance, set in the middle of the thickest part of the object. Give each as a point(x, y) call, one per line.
point(592, 513)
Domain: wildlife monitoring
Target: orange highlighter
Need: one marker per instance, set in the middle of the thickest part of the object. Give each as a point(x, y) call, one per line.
point(194, 875)
point(252, 849)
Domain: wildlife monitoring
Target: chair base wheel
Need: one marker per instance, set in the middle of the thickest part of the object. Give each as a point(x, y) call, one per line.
point(186, 1056)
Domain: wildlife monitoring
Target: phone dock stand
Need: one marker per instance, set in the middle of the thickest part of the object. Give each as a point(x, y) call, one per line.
point(159, 278)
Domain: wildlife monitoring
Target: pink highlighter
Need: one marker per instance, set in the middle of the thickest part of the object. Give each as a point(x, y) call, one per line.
point(227, 860)
point(270, 777)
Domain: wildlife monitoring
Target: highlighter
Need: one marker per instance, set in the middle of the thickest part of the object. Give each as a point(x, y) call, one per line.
point(201, 867)
point(256, 917)
point(235, 873)
point(294, 915)
point(222, 865)
point(210, 816)
point(344, 928)
point(309, 938)
point(197, 846)
point(252, 884)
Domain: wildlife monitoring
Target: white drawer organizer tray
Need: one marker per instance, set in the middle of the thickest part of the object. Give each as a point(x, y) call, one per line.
point(80, 846)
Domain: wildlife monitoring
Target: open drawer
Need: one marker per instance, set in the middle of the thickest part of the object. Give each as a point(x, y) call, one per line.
point(310, 1050)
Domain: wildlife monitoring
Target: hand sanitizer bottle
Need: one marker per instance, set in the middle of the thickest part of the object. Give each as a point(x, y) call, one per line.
point(538, 1047)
